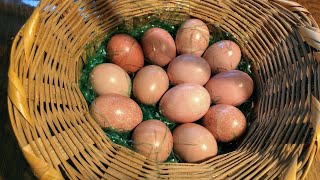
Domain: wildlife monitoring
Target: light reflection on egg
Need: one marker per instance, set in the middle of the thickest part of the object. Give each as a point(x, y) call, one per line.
point(223, 55)
point(188, 68)
point(153, 139)
point(185, 102)
point(231, 87)
point(194, 143)
point(192, 37)
point(225, 122)
point(149, 84)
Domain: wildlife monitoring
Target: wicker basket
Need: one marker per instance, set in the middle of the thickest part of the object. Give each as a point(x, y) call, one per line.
point(60, 140)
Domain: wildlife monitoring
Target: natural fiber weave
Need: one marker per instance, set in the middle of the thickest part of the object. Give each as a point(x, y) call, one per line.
point(60, 140)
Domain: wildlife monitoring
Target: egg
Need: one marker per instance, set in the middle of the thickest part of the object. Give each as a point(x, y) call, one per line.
point(185, 103)
point(226, 123)
point(188, 68)
point(194, 143)
point(192, 37)
point(231, 87)
point(223, 55)
point(158, 46)
point(153, 139)
point(149, 84)
point(116, 111)
point(126, 52)
point(109, 78)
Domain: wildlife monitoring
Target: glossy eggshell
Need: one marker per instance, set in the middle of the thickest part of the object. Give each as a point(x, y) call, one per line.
point(153, 139)
point(109, 78)
point(158, 46)
point(231, 87)
point(188, 68)
point(116, 111)
point(185, 103)
point(223, 55)
point(149, 84)
point(192, 37)
point(226, 123)
point(194, 143)
point(126, 52)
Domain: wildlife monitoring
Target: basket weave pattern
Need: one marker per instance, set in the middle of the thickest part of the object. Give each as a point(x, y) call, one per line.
point(60, 140)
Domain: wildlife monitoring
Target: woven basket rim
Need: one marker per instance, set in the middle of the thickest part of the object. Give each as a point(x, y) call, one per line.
point(57, 136)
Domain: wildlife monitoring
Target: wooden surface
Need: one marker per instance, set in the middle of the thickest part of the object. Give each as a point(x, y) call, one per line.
point(314, 7)
point(12, 162)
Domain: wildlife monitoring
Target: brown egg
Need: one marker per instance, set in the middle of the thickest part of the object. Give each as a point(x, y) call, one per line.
point(231, 87)
point(109, 78)
point(184, 103)
point(149, 84)
point(226, 123)
point(158, 46)
point(192, 37)
point(223, 55)
point(126, 52)
point(194, 143)
point(188, 68)
point(116, 111)
point(153, 139)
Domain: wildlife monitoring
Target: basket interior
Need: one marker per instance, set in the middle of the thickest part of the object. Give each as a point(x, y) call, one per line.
point(62, 140)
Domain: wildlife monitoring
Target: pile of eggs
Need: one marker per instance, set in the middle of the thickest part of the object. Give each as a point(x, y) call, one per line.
point(199, 76)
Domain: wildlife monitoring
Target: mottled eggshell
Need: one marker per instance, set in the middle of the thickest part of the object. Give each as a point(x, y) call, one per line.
point(231, 87)
point(192, 37)
point(194, 143)
point(188, 68)
point(223, 55)
point(185, 103)
point(153, 139)
point(116, 111)
point(225, 122)
point(149, 84)
point(110, 78)
point(126, 52)
point(158, 46)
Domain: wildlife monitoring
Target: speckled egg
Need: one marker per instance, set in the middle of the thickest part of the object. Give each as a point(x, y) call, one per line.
point(185, 103)
point(109, 78)
point(149, 84)
point(153, 139)
point(188, 68)
point(223, 55)
point(226, 123)
point(231, 87)
point(194, 143)
point(126, 52)
point(158, 46)
point(116, 111)
point(192, 37)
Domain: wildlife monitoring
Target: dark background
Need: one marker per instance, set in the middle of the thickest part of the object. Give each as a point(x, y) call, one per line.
point(13, 14)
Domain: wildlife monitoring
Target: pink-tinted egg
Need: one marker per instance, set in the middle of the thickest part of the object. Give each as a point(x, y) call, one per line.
point(109, 78)
point(126, 52)
point(158, 46)
point(192, 37)
point(225, 122)
point(153, 139)
point(184, 103)
point(194, 143)
point(116, 111)
point(149, 84)
point(188, 68)
point(231, 87)
point(223, 55)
